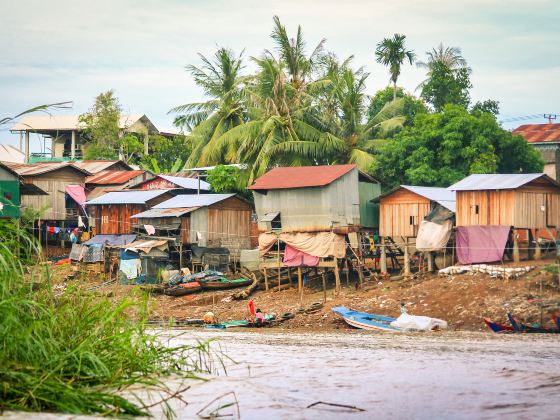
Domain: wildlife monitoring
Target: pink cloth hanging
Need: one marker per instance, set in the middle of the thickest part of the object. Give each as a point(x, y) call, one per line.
point(77, 193)
point(295, 258)
point(150, 230)
point(479, 244)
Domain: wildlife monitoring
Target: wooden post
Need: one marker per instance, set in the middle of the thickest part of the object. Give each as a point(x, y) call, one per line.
point(62, 237)
point(430, 259)
point(73, 146)
point(515, 246)
point(278, 255)
point(21, 141)
point(26, 146)
point(336, 276)
point(530, 249)
point(300, 286)
point(265, 279)
point(538, 253)
point(181, 255)
point(383, 263)
point(324, 286)
point(347, 269)
point(290, 276)
point(406, 258)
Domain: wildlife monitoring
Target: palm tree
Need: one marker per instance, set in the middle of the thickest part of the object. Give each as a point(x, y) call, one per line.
point(222, 82)
point(391, 52)
point(450, 57)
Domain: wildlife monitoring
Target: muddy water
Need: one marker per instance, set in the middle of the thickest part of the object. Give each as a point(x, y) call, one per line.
point(452, 376)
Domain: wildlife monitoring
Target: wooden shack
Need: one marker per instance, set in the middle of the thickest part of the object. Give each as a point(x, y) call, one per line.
point(401, 211)
point(51, 178)
point(313, 199)
point(114, 180)
point(207, 220)
point(522, 201)
point(112, 211)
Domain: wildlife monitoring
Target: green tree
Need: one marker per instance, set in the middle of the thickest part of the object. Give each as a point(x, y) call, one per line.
point(221, 80)
point(442, 148)
point(411, 105)
point(489, 105)
point(391, 52)
point(167, 155)
point(229, 179)
point(448, 78)
point(101, 126)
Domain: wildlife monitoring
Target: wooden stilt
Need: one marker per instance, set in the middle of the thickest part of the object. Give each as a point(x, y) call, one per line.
point(430, 259)
point(265, 279)
point(530, 248)
point(278, 255)
point(300, 286)
point(336, 276)
point(324, 286)
point(347, 272)
point(538, 253)
point(406, 258)
point(290, 276)
point(383, 266)
point(181, 255)
point(516, 246)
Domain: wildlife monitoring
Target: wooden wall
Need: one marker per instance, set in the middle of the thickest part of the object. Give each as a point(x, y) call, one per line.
point(54, 183)
point(401, 212)
point(114, 219)
point(229, 223)
point(533, 206)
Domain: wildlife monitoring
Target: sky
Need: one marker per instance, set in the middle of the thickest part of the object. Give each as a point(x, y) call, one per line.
point(56, 50)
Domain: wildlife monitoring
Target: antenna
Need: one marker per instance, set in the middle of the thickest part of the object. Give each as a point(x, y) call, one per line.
point(550, 117)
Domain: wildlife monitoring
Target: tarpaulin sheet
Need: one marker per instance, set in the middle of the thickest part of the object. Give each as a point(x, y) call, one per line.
point(77, 193)
point(94, 253)
point(77, 252)
point(296, 258)
point(111, 240)
point(477, 244)
point(432, 236)
point(146, 245)
point(318, 244)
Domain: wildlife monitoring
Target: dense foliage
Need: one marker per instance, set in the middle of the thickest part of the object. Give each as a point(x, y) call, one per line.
point(442, 148)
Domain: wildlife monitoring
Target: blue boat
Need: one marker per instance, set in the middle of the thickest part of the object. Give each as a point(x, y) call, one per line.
point(366, 321)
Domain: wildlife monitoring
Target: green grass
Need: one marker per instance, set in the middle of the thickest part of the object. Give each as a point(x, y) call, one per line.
point(76, 353)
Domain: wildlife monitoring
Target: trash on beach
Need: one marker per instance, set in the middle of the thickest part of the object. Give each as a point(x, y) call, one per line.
point(492, 270)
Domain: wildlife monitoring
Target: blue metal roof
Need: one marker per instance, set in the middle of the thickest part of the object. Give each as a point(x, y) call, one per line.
point(127, 197)
point(193, 200)
point(442, 196)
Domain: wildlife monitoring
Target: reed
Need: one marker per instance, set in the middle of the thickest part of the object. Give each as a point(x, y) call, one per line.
point(77, 352)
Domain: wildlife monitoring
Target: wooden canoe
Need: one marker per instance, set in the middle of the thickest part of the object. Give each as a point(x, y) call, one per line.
point(226, 284)
point(366, 321)
point(183, 289)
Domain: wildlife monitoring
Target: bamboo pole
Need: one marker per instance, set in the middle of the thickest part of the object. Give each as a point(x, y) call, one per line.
point(383, 266)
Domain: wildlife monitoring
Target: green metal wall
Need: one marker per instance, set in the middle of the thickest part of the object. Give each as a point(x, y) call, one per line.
point(10, 198)
point(369, 212)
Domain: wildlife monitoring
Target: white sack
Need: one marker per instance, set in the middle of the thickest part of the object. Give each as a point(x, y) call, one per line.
point(418, 323)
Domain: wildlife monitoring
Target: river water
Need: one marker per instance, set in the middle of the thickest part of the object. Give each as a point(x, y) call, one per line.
point(278, 375)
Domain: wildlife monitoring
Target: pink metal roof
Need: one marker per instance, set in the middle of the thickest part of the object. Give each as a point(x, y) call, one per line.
point(300, 177)
point(113, 177)
point(539, 133)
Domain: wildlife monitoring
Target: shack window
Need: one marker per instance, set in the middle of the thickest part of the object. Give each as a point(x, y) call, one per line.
point(412, 220)
point(272, 220)
point(474, 209)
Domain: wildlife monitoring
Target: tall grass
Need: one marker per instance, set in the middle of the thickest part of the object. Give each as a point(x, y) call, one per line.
point(75, 353)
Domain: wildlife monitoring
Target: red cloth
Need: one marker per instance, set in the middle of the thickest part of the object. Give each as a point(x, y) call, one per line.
point(252, 307)
point(295, 258)
point(478, 244)
point(77, 193)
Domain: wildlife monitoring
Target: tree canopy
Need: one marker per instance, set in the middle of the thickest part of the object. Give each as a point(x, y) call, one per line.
point(442, 148)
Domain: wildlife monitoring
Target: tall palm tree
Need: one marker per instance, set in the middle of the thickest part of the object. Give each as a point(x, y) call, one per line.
point(221, 81)
point(450, 57)
point(391, 52)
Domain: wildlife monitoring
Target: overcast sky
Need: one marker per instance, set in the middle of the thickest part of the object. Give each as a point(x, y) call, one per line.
point(72, 50)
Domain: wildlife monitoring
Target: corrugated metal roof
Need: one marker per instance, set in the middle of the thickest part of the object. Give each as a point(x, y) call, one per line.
point(539, 133)
point(64, 122)
point(443, 196)
point(159, 213)
point(190, 183)
point(479, 182)
point(127, 197)
point(300, 177)
point(193, 200)
point(112, 177)
point(96, 166)
point(32, 169)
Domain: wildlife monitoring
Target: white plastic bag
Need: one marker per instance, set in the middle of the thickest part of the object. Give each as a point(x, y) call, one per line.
point(418, 323)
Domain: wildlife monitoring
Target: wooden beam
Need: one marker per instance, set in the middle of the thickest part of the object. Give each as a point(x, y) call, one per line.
point(300, 285)
point(430, 258)
point(274, 264)
point(26, 146)
point(336, 277)
point(538, 254)
point(324, 286)
point(265, 279)
point(515, 246)
point(406, 271)
point(383, 262)
point(73, 146)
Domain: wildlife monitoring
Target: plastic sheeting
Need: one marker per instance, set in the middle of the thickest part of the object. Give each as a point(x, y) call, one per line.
point(94, 253)
point(432, 236)
point(77, 252)
point(478, 244)
point(296, 258)
point(77, 193)
point(408, 322)
point(111, 240)
point(317, 244)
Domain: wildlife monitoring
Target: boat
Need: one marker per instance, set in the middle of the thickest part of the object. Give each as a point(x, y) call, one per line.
point(242, 323)
point(498, 328)
point(224, 283)
point(183, 289)
point(519, 327)
point(366, 321)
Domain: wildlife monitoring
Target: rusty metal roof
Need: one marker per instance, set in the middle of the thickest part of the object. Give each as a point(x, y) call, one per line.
point(539, 133)
point(478, 182)
point(96, 166)
point(160, 213)
point(113, 177)
point(33, 169)
point(300, 177)
point(127, 197)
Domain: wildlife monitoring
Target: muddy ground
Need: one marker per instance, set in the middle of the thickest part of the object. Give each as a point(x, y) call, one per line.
point(462, 300)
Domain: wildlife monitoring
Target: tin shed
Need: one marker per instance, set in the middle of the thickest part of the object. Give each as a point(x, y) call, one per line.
point(313, 199)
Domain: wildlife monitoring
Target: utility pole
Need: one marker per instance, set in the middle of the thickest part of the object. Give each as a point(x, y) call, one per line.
point(550, 117)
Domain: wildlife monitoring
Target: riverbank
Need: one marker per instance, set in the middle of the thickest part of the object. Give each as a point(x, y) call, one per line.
point(462, 300)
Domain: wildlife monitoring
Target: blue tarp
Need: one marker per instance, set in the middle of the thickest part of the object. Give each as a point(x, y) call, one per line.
point(111, 240)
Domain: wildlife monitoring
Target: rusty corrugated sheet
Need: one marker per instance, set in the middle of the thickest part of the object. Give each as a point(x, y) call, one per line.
point(300, 177)
point(113, 177)
point(539, 133)
point(96, 166)
point(33, 169)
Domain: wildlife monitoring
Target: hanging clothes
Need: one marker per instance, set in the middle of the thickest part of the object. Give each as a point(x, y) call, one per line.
point(295, 258)
point(478, 244)
point(150, 230)
point(81, 222)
